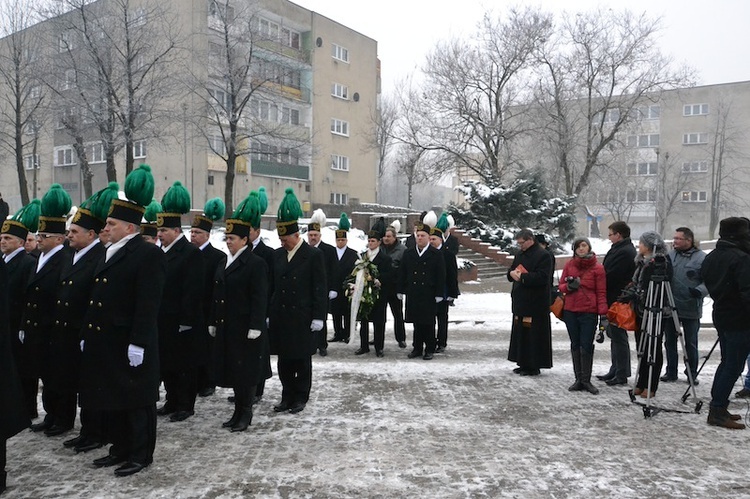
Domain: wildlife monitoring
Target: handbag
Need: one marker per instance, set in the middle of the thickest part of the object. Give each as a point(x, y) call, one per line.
point(622, 315)
point(557, 306)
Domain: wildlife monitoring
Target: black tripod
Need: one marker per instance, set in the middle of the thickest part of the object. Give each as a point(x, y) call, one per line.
point(659, 300)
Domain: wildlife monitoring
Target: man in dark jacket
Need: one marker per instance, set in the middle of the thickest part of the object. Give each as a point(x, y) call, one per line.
point(395, 249)
point(619, 265)
point(531, 334)
point(259, 248)
point(120, 360)
point(422, 280)
point(346, 258)
point(450, 292)
point(314, 238)
point(299, 306)
point(726, 273)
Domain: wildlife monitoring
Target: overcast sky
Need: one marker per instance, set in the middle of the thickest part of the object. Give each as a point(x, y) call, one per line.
point(712, 36)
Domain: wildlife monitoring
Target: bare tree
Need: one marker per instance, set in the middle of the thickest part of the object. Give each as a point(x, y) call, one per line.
point(384, 124)
point(243, 97)
point(22, 91)
point(671, 181)
point(599, 74)
point(467, 108)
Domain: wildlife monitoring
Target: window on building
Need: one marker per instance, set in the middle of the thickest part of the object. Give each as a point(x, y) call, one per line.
point(220, 100)
point(340, 163)
point(31, 161)
point(338, 198)
point(641, 169)
point(694, 196)
point(95, 152)
point(340, 53)
point(340, 91)
point(220, 10)
point(289, 115)
point(290, 38)
point(694, 109)
point(65, 156)
point(69, 80)
point(340, 127)
point(652, 112)
point(641, 196)
point(612, 116)
point(66, 41)
point(689, 139)
point(268, 29)
point(215, 55)
point(210, 180)
point(695, 167)
point(139, 149)
point(35, 92)
point(141, 17)
point(646, 140)
point(218, 145)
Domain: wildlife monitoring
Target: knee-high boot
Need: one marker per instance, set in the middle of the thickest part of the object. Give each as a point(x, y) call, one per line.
point(576, 354)
point(246, 410)
point(235, 415)
point(587, 361)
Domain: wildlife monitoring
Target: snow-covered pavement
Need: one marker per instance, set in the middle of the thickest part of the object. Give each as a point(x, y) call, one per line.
point(461, 425)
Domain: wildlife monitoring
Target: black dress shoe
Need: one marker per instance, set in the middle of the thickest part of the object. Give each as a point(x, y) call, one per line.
point(323, 352)
point(207, 392)
point(379, 353)
point(428, 356)
point(87, 445)
point(667, 378)
point(440, 350)
point(616, 381)
point(56, 430)
point(517, 370)
point(166, 409)
point(414, 354)
point(129, 468)
point(44, 425)
point(297, 407)
point(180, 416)
point(402, 344)
point(109, 460)
point(346, 340)
point(605, 377)
point(336, 339)
point(282, 407)
point(530, 372)
point(361, 351)
point(72, 442)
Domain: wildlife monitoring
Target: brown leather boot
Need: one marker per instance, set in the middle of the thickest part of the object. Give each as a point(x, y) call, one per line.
point(719, 416)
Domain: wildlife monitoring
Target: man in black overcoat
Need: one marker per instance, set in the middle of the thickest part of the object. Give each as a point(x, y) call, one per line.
point(346, 258)
point(261, 249)
point(422, 280)
point(120, 360)
point(619, 266)
point(375, 254)
point(73, 299)
point(314, 228)
point(200, 233)
point(299, 306)
point(450, 292)
point(531, 335)
point(181, 319)
point(20, 265)
point(38, 321)
point(14, 415)
point(395, 249)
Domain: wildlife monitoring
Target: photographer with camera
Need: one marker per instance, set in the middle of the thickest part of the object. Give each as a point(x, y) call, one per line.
point(688, 290)
point(584, 285)
point(651, 264)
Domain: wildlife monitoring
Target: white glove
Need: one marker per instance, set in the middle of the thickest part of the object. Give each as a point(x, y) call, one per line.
point(135, 355)
point(268, 321)
point(316, 325)
point(438, 299)
point(400, 296)
point(81, 345)
point(332, 295)
point(212, 330)
point(253, 334)
point(377, 283)
point(450, 298)
point(21, 336)
point(185, 328)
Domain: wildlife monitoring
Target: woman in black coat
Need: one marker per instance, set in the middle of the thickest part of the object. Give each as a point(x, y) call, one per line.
point(377, 315)
point(13, 416)
point(239, 323)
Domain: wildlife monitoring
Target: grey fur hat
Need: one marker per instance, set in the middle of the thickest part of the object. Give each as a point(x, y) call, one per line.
point(653, 241)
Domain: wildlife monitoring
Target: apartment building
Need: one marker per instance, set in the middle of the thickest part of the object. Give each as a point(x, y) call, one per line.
point(307, 125)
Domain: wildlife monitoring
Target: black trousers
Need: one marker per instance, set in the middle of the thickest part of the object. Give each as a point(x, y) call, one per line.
point(181, 387)
point(397, 309)
point(424, 338)
point(133, 434)
point(321, 337)
point(296, 379)
point(442, 323)
point(93, 425)
point(30, 389)
point(61, 405)
point(364, 335)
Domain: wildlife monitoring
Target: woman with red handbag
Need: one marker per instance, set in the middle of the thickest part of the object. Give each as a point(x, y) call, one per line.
point(584, 284)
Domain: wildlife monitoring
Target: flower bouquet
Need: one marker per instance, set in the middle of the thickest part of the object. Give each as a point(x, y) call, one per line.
point(362, 288)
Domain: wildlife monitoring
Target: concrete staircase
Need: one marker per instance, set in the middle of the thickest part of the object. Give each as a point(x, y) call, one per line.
point(486, 268)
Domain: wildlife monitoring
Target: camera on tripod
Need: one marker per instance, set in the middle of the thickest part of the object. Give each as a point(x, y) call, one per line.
point(659, 268)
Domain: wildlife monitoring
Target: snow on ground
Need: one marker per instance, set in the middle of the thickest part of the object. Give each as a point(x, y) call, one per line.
point(462, 425)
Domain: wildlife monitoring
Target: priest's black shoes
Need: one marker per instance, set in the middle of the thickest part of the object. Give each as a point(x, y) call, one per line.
point(129, 468)
point(74, 441)
point(414, 354)
point(181, 416)
point(56, 430)
point(361, 351)
point(87, 445)
point(109, 460)
point(296, 407)
point(44, 425)
point(282, 407)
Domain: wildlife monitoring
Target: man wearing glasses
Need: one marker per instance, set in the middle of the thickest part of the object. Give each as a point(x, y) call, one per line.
point(619, 266)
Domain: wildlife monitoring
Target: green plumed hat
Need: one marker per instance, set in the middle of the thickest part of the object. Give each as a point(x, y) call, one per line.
point(24, 221)
point(344, 226)
point(441, 226)
point(148, 228)
point(175, 203)
point(263, 197)
point(56, 204)
point(214, 210)
point(139, 191)
point(289, 213)
point(378, 229)
point(92, 213)
point(245, 216)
